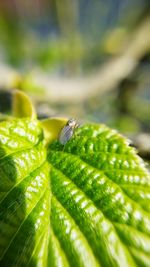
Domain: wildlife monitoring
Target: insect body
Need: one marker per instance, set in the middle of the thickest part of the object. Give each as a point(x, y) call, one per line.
point(67, 131)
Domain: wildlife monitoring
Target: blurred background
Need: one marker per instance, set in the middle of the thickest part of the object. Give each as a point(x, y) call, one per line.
point(85, 59)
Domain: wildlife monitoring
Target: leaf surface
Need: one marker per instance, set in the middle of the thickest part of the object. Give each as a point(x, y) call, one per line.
point(83, 204)
point(101, 185)
point(24, 193)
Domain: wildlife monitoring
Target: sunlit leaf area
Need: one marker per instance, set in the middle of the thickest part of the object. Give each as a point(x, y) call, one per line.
point(82, 204)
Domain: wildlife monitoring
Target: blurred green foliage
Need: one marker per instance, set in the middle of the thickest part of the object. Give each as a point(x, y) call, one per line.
point(74, 39)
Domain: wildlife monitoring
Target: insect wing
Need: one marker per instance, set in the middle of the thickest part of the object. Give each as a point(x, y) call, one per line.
point(65, 134)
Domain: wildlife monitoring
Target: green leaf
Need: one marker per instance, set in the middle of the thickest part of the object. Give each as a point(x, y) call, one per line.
point(52, 128)
point(101, 200)
point(22, 106)
point(24, 194)
point(83, 204)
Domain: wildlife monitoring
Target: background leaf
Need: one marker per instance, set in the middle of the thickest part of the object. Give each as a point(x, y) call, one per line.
point(22, 105)
point(52, 128)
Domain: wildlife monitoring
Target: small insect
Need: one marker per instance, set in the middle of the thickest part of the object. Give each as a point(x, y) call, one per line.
point(67, 131)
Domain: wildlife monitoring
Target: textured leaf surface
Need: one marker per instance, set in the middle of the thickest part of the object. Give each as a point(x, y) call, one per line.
point(98, 213)
point(24, 194)
point(101, 200)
